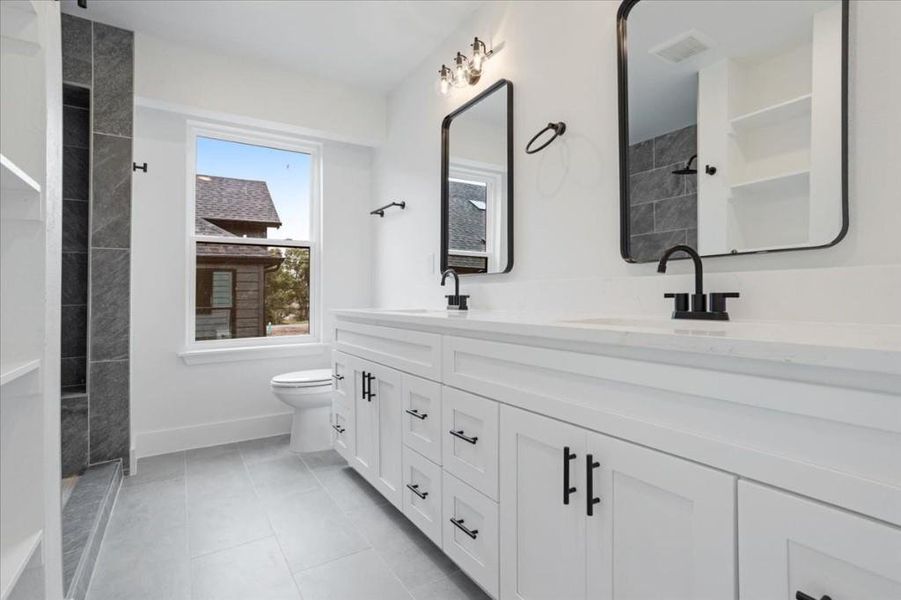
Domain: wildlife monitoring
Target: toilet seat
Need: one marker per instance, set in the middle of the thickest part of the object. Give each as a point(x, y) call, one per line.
point(315, 378)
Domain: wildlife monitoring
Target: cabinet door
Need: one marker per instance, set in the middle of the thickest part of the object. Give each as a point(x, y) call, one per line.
point(364, 421)
point(542, 529)
point(787, 545)
point(385, 403)
point(663, 527)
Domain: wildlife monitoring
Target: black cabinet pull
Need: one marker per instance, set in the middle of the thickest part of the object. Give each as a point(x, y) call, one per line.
point(473, 533)
point(463, 436)
point(363, 380)
point(337, 377)
point(369, 394)
point(590, 466)
point(567, 489)
point(414, 487)
point(415, 413)
point(338, 428)
point(799, 595)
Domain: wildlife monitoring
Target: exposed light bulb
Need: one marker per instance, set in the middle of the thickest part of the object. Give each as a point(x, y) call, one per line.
point(475, 63)
point(461, 77)
point(444, 83)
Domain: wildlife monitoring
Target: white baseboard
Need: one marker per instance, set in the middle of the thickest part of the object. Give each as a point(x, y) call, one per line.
point(163, 441)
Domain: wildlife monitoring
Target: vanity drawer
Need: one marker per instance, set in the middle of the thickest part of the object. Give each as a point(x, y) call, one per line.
point(342, 436)
point(422, 417)
point(422, 494)
point(343, 380)
point(470, 446)
point(414, 352)
point(470, 536)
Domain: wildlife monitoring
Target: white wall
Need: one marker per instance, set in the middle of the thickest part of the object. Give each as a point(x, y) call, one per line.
point(170, 74)
point(176, 405)
point(561, 58)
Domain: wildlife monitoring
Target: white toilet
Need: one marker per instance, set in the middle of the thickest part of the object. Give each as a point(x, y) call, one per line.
point(309, 394)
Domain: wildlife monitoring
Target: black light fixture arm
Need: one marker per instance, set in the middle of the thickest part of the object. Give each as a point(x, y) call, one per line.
point(380, 211)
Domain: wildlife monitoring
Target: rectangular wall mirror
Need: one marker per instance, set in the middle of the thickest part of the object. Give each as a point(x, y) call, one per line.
point(733, 125)
point(477, 184)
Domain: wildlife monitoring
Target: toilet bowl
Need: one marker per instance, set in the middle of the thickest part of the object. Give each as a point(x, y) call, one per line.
point(309, 394)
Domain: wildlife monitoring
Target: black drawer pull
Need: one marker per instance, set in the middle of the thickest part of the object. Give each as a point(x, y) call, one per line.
point(415, 413)
point(363, 380)
point(463, 436)
point(799, 595)
point(337, 377)
point(338, 428)
point(473, 533)
point(590, 466)
point(414, 487)
point(567, 489)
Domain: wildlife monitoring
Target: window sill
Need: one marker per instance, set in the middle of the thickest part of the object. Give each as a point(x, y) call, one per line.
point(204, 356)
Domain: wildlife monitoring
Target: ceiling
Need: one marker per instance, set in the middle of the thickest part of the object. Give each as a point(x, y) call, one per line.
point(662, 96)
point(372, 45)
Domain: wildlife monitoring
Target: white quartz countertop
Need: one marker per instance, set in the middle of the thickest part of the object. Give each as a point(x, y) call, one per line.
point(874, 348)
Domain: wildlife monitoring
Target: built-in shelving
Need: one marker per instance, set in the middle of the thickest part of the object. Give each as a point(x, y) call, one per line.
point(784, 183)
point(15, 179)
point(18, 28)
point(773, 114)
point(12, 370)
point(15, 559)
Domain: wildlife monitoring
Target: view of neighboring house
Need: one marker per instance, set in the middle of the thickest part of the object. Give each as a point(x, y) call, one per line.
point(231, 278)
point(467, 203)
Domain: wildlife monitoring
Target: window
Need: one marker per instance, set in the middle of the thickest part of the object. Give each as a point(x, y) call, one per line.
point(252, 238)
point(475, 194)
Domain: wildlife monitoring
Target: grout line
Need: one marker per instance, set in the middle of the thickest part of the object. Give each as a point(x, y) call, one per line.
point(361, 533)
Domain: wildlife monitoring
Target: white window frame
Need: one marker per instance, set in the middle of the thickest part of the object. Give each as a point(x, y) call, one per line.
point(494, 177)
point(198, 129)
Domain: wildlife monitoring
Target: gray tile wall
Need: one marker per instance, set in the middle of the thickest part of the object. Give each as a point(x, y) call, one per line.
point(663, 205)
point(102, 57)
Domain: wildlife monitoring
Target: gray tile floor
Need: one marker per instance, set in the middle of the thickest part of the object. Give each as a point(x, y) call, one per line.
point(252, 521)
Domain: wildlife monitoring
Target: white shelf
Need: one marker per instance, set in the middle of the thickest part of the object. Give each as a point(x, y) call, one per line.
point(12, 370)
point(14, 560)
point(18, 28)
point(773, 114)
point(793, 182)
point(14, 179)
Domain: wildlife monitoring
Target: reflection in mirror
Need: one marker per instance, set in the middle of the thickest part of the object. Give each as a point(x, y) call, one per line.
point(733, 117)
point(477, 184)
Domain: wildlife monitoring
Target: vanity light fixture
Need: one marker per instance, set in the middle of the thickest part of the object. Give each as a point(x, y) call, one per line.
point(466, 71)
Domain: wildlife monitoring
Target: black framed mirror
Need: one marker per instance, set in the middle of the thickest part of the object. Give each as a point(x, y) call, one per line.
point(477, 184)
point(733, 119)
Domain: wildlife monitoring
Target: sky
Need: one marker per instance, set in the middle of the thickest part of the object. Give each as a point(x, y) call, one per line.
point(287, 174)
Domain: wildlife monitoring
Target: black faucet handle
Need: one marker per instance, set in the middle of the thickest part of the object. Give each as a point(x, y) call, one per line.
point(718, 300)
point(680, 301)
point(463, 304)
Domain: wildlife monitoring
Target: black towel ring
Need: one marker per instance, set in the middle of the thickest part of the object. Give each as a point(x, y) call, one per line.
point(558, 129)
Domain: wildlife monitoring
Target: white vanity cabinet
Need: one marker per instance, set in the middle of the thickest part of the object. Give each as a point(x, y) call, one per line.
point(564, 463)
point(789, 544)
point(584, 515)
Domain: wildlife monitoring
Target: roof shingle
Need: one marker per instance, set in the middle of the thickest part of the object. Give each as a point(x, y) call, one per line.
point(229, 199)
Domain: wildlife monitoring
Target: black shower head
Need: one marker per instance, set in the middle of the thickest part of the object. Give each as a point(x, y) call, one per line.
point(687, 170)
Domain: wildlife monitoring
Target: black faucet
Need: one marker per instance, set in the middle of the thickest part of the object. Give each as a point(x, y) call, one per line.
point(698, 308)
point(454, 301)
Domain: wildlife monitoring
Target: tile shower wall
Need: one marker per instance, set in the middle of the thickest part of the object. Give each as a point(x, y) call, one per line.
point(664, 209)
point(101, 58)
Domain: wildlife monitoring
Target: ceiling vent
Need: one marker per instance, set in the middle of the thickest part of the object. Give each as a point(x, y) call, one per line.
point(682, 47)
